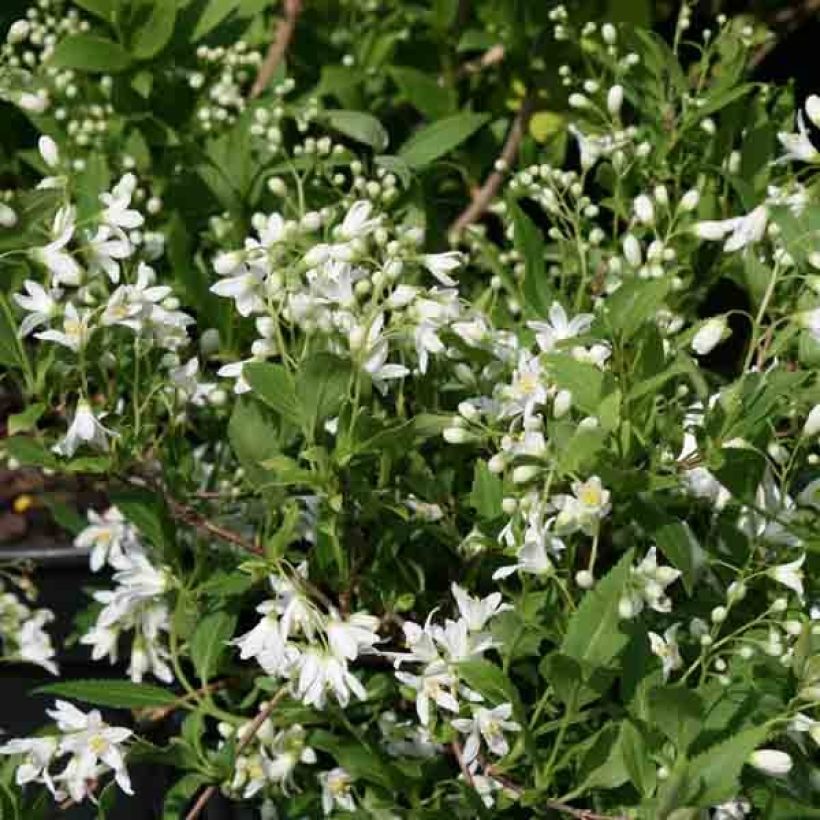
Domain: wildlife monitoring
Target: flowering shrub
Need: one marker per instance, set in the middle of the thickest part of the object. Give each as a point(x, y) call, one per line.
point(511, 518)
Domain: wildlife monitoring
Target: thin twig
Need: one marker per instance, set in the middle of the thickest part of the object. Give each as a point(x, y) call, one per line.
point(459, 756)
point(283, 34)
point(162, 712)
point(485, 195)
point(492, 56)
point(188, 515)
point(249, 735)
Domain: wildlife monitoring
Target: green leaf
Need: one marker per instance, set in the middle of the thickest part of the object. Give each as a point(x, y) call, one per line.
point(583, 380)
point(423, 92)
point(11, 350)
point(30, 452)
point(677, 712)
point(156, 32)
point(322, 386)
point(209, 642)
point(8, 804)
point(530, 244)
point(64, 515)
point(358, 126)
point(634, 303)
point(487, 492)
point(27, 419)
point(397, 166)
point(103, 9)
point(90, 52)
point(438, 139)
point(110, 692)
point(594, 634)
point(214, 12)
point(147, 513)
point(107, 801)
point(489, 680)
point(274, 386)
point(637, 761)
point(254, 436)
point(717, 771)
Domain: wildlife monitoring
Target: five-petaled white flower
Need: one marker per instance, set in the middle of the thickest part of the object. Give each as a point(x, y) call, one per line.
point(666, 648)
point(84, 429)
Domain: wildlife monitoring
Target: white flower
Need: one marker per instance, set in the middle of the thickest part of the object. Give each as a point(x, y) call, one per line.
point(246, 289)
point(35, 103)
point(477, 611)
point(648, 587)
point(38, 754)
point(431, 686)
point(666, 648)
point(35, 642)
point(117, 213)
point(85, 428)
point(489, 724)
point(812, 107)
point(320, 673)
point(440, 265)
point(109, 537)
point(106, 249)
point(233, 370)
point(357, 222)
point(709, 335)
point(39, 303)
point(76, 330)
point(584, 509)
point(732, 810)
point(790, 575)
point(349, 638)
point(63, 267)
point(375, 352)
point(771, 761)
point(798, 146)
point(742, 230)
point(559, 327)
point(336, 790)
point(91, 742)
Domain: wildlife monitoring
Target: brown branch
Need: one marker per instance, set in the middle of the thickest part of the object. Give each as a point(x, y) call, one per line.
point(459, 756)
point(162, 712)
point(283, 34)
point(249, 735)
point(188, 515)
point(485, 195)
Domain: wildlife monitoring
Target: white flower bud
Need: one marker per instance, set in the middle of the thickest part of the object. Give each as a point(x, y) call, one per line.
point(562, 403)
point(626, 609)
point(719, 614)
point(497, 463)
point(690, 200)
point(8, 217)
point(277, 186)
point(615, 99)
point(525, 473)
point(812, 426)
point(456, 435)
point(609, 34)
point(632, 250)
point(813, 110)
point(771, 761)
point(18, 31)
point(578, 101)
point(509, 505)
point(468, 410)
point(711, 333)
point(49, 151)
point(644, 209)
point(585, 579)
point(661, 195)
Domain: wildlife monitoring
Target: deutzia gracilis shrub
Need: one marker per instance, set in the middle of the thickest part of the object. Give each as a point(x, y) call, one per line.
point(452, 409)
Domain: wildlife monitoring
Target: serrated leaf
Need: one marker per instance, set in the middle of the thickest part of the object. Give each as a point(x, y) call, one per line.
point(594, 635)
point(322, 386)
point(634, 303)
point(439, 138)
point(110, 692)
point(717, 770)
point(359, 126)
point(583, 380)
point(210, 641)
point(90, 52)
point(423, 92)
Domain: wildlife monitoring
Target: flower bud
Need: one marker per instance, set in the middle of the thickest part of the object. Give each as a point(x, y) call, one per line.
point(585, 579)
point(525, 473)
point(690, 200)
point(644, 209)
point(710, 334)
point(456, 435)
point(771, 761)
point(813, 109)
point(632, 250)
point(609, 34)
point(812, 426)
point(8, 217)
point(497, 464)
point(562, 403)
point(615, 99)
